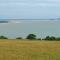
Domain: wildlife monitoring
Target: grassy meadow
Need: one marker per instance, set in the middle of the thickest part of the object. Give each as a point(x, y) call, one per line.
point(29, 50)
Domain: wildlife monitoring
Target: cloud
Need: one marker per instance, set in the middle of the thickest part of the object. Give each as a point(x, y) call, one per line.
point(34, 4)
point(29, 0)
point(30, 3)
point(29, 8)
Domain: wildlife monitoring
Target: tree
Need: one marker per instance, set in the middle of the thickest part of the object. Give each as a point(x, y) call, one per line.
point(50, 38)
point(19, 38)
point(47, 38)
point(58, 38)
point(31, 36)
point(3, 37)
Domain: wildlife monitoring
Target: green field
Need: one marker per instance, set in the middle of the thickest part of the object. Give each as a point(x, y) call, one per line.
point(29, 50)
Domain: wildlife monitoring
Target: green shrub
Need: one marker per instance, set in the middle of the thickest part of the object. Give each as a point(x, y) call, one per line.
point(39, 39)
point(19, 38)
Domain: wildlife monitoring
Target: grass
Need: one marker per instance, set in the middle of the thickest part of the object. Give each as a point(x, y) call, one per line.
point(29, 50)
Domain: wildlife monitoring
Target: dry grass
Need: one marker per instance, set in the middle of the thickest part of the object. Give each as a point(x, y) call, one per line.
point(29, 50)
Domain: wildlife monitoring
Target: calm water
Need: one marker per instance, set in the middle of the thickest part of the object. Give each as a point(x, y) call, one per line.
point(24, 27)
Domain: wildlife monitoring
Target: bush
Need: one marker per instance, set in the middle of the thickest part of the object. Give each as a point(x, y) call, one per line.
point(19, 38)
point(39, 39)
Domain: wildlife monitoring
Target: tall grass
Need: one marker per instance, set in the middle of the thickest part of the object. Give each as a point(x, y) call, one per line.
point(29, 50)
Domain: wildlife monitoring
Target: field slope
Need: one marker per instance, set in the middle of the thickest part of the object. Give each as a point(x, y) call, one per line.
point(29, 50)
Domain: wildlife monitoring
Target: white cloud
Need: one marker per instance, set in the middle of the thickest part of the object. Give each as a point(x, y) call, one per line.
point(29, 8)
point(28, 4)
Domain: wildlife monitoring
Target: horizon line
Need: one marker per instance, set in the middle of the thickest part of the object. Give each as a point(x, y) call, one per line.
point(32, 19)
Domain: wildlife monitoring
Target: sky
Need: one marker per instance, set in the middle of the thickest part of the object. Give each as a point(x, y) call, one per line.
point(29, 9)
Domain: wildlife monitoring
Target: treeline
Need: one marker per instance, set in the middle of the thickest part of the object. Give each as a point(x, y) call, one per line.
point(34, 37)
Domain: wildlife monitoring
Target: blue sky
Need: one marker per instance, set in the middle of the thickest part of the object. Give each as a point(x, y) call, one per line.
point(21, 9)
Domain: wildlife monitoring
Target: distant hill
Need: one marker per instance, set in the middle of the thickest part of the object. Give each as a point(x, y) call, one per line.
point(3, 21)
